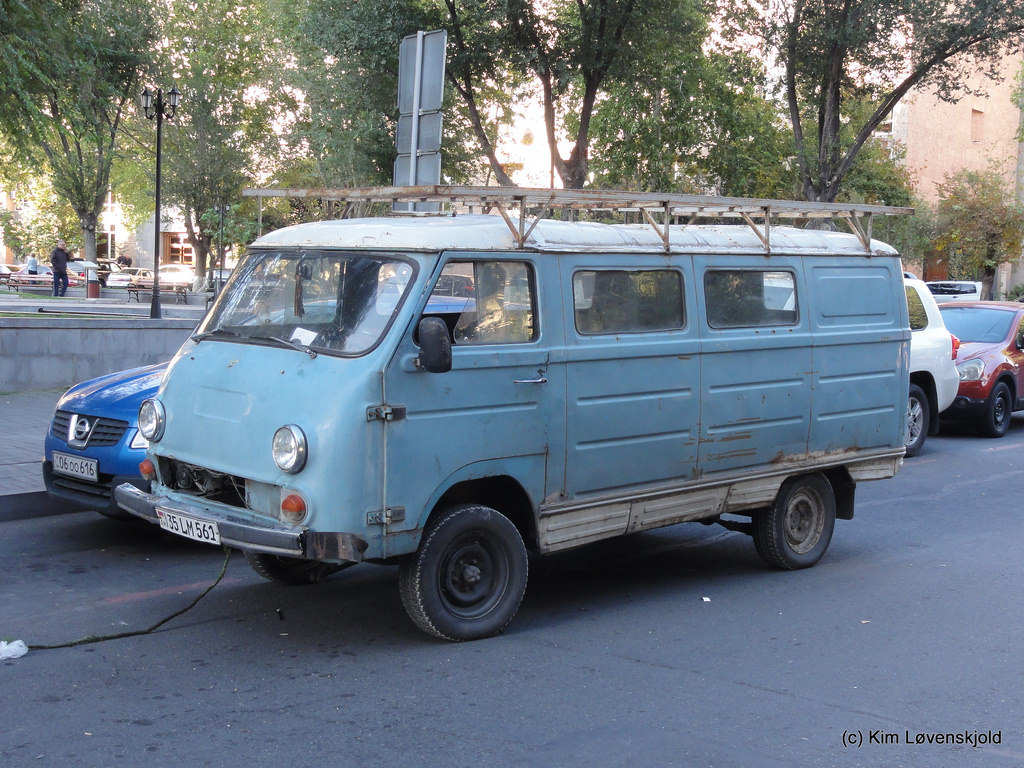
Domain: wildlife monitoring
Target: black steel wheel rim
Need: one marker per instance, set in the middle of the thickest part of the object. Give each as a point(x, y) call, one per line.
point(804, 521)
point(473, 576)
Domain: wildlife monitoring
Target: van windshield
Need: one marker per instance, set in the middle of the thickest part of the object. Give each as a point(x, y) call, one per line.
point(328, 301)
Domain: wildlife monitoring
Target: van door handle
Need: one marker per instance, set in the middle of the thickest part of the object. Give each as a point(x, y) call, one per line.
point(541, 380)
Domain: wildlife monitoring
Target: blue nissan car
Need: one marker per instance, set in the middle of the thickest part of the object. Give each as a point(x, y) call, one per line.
point(93, 443)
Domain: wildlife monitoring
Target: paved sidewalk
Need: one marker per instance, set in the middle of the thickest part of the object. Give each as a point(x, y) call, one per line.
point(24, 419)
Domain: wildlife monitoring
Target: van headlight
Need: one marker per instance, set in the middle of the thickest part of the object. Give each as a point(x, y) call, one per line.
point(289, 448)
point(152, 420)
point(971, 370)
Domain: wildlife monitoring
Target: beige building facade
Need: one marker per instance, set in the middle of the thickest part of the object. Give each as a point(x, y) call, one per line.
point(977, 132)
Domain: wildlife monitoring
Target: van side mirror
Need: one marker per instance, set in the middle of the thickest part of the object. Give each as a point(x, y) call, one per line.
point(435, 346)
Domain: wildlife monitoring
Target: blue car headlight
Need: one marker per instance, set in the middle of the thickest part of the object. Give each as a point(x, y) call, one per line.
point(138, 443)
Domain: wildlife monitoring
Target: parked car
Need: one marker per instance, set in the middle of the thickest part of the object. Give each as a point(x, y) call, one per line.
point(990, 362)
point(933, 374)
point(955, 290)
point(44, 277)
point(176, 276)
point(131, 277)
point(107, 267)
point(93, 444)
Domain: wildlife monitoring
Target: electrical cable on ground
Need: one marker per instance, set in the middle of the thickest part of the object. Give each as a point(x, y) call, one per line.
point(103, 638)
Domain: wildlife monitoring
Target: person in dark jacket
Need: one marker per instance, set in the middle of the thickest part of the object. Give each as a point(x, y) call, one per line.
point(59, 261)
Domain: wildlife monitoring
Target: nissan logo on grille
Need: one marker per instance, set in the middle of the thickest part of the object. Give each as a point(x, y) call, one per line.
point(79, 429)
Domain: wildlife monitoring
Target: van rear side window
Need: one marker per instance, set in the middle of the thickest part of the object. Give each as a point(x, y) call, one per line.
point(628, 301)
point(747, 298)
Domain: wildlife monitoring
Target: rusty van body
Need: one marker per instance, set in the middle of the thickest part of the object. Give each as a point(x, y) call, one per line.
point(451, 393)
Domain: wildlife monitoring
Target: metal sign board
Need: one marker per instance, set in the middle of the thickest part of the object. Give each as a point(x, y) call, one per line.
point(421, 59)
point(428, 168)
point(428, 133)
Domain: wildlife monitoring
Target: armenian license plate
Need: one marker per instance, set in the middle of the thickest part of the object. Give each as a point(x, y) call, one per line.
point(76, 466)
point(189, 527)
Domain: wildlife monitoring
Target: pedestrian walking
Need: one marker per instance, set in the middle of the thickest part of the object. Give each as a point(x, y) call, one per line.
point(59, 261)
point(32, 264)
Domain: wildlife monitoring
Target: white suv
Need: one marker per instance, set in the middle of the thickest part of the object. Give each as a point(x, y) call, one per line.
point(933, 375)
point(955, 290)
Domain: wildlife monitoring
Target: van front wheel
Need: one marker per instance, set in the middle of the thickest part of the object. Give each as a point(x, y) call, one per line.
point(796, 530)
point(468, 576)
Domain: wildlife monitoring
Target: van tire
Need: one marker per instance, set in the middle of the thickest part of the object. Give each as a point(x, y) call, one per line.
point(996, 420)
point(291, 571)
point(468, 576)
point(918, 420)
point(796, 530)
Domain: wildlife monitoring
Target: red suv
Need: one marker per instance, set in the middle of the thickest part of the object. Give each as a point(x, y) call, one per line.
point(990, 362)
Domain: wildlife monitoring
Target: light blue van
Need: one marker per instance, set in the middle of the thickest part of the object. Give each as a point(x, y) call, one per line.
point(449, 394)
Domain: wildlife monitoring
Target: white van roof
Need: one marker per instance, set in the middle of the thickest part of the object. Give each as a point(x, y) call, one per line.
point(479, 232)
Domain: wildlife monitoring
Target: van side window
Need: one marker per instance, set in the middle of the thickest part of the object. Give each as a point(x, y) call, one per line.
point(633, 301)
point(746, 298)
point(918, 314)
point(486, 302)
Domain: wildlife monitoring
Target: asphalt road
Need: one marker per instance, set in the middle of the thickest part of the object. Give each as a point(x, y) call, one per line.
point(672, 648)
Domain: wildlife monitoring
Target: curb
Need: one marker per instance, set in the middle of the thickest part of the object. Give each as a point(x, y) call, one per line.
point(25, 506)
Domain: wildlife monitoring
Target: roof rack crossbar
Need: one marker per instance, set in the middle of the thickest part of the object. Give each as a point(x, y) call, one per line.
point(541, 202)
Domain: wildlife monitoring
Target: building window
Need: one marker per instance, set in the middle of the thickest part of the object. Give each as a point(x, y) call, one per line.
point(177, 249)
point(977, 126)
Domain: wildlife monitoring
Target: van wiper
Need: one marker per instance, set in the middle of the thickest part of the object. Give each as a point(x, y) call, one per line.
point(289, 343)
point(211, 334)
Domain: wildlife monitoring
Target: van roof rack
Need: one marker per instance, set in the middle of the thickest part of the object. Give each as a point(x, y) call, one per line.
point(523, 207)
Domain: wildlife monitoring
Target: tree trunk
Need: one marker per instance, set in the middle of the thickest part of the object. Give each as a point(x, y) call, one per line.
point(88, 222)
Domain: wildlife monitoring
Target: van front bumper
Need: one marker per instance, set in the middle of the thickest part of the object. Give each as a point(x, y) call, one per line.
point(235, 531)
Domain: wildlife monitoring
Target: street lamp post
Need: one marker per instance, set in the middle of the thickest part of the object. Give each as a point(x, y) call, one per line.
point(154, 106)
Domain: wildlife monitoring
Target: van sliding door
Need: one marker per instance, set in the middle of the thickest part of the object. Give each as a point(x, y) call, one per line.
point(632, 373)
point(756, 363)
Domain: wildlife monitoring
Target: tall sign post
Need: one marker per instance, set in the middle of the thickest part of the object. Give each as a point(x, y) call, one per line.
point(421, 63)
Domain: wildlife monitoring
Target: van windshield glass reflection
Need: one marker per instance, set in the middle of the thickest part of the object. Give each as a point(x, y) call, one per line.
point(325, 300)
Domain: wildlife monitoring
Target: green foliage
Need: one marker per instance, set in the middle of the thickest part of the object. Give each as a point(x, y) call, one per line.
point(578, 58)
point(69, 68)
point(839, 55)
point(222, 137)
point(347, 68)
point(980, 224)
point(1014, 293)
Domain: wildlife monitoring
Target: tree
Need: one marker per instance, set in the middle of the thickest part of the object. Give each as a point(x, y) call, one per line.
point(837, 52)
point(69, 68)
point(222, 136)
point(698, 123)
point(347, 71)
point(569, 52)
point(980, 225)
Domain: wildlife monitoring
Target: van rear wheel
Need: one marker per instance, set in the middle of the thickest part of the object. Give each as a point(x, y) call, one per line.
point(468, 576)
point(796, 530)
point(291, 571)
